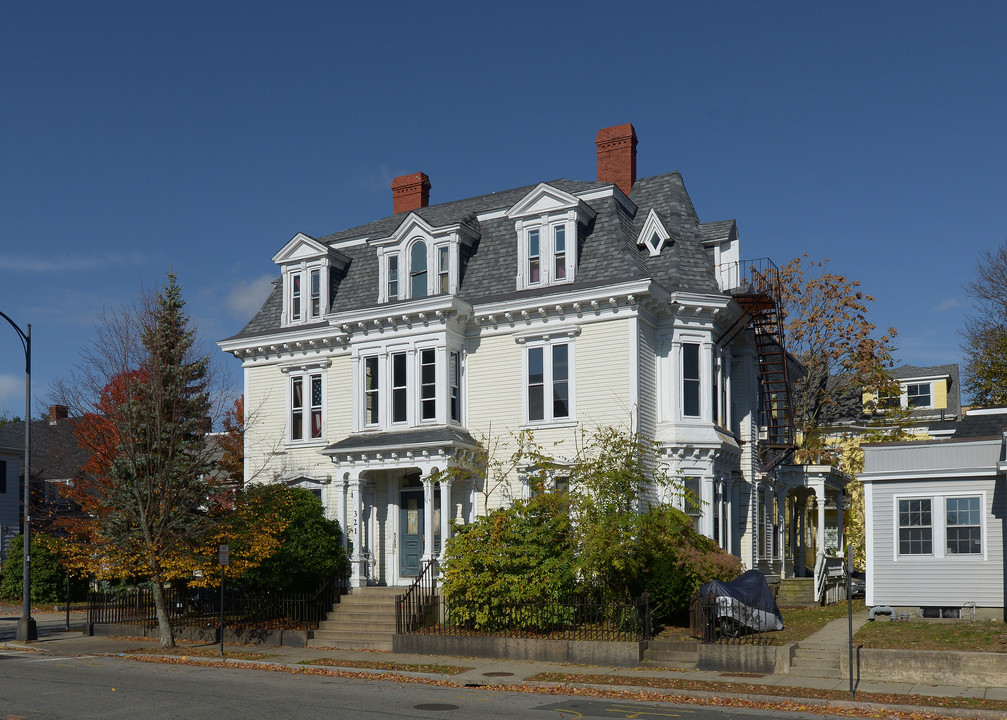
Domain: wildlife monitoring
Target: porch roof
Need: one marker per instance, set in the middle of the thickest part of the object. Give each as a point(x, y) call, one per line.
point(402, 442)
point(811, 475)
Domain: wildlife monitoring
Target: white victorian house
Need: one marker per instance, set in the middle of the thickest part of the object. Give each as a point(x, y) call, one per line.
point(388, 351)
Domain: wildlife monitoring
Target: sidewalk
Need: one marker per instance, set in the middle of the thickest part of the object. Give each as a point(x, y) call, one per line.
point(484, 672)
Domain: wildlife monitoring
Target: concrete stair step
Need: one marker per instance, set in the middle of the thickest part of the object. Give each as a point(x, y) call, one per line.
point(663, 657)
point(336, 626)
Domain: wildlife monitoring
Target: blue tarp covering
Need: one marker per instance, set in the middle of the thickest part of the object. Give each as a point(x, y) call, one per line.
point(751, 601)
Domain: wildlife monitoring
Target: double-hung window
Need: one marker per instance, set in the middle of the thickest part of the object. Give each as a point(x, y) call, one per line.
point(690, 379)
point(393, 278)
point(306, 407)
point(400, 389)
point(371, 391)
point(428, 384)
point(455, 382)
point(918, 395)
point(916, 531)
point(315, 299)
point(548, 383)
point(295, 297)
point(418, 270)
point(443, 269)
point(964, 526)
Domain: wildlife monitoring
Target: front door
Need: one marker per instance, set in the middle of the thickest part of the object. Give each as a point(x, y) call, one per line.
point(411, 531)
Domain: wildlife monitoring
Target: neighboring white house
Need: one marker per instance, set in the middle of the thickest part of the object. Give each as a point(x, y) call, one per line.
point(934, 514)
point(10, 501)
point(387, 351)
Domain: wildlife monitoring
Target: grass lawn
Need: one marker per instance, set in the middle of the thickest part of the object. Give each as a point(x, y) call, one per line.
point(964, 635)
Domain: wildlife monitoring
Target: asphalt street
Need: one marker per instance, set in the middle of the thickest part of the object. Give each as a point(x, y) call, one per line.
point(42, 687)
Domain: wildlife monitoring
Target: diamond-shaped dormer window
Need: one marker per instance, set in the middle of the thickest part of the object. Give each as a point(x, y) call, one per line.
point(654, 235)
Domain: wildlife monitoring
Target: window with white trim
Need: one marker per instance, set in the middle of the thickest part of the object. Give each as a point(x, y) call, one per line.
point(418, 270)
point(455, 385)
point(306, 411)
point(918, 395)
point(690, 380)
point(964, 526)
point(548, 379)
point(305, 299)
point(409, 387)
point(916, 531)
point(393, 278)
point(547, 252)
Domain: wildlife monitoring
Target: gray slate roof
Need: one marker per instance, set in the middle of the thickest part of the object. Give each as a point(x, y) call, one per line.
point(608, 252)
point(984, 425)
point(55, 453)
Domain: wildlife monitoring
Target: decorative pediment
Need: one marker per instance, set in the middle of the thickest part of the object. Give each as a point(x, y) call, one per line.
point(303, 248)
point(544, 200)
point(654, 235)
point(413, 225)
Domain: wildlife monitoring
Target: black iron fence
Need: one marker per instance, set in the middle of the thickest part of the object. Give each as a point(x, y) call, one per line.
point(418, 607)
point(581, 620)
point(201, 606)
point(727, 620)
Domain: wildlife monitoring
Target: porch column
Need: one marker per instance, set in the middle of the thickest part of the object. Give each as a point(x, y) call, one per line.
point(445, 513)
point(340, 487)
point(802, 529)
point(358, 571)
point(428, 518)
point(820, 540)
point(781, 530)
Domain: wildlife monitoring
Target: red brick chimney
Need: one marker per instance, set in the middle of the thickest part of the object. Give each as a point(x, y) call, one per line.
point(57, 413)
point(617, 156)
point(410, 192)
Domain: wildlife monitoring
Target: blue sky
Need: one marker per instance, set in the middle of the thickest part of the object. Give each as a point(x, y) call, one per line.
point(139, 138)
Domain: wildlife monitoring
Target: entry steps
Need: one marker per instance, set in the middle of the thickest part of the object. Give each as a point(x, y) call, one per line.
point(362, 620)
point(671, 653)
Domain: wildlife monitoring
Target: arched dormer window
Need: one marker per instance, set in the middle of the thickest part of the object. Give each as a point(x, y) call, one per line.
point(418, 270)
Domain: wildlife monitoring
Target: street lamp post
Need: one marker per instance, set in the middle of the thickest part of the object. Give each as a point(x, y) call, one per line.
point(26, 628)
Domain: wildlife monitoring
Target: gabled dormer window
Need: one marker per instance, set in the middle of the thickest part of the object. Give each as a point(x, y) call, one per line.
point(546, 223)
point(420, 260)
point(306, 265)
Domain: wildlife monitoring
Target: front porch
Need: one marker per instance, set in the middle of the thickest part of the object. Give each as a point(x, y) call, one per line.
point(396, 502)
point(798, 522)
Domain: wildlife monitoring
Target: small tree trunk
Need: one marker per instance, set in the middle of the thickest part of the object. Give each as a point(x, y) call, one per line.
point(161, 609)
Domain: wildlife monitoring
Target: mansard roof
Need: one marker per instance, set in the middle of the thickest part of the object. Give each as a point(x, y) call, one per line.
point(608, 252)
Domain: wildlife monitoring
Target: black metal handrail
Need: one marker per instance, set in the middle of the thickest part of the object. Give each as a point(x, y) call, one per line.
point(418, 607)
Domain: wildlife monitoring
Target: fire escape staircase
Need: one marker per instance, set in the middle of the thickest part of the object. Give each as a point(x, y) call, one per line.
point(757, 291)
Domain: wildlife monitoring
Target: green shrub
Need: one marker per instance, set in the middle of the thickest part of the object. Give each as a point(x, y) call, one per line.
point(520, 554)
point(311, 551)
point(48, 578)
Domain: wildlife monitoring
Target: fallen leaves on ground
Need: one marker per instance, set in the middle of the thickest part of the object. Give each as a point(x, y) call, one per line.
point(402, 667)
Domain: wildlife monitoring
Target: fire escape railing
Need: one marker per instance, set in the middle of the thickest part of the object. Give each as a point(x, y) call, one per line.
point(756, 286)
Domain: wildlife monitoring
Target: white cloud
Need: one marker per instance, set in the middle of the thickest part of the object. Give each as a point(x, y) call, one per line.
point(62, 263)
point(12, 392)
point(947, 305)
point(245, 299)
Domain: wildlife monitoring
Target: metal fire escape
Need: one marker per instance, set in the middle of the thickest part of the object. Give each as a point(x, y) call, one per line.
point(755, 285)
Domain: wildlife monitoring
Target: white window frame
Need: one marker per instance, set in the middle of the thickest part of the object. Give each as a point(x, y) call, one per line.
point(546, 345)
point(909, 397)
point(386, 389)
point(401, 256)
point(546, 227)
point(939, 526)
point(301, 274)
point(307, 409)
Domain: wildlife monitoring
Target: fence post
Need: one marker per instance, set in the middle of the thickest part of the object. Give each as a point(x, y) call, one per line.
point(645, 597)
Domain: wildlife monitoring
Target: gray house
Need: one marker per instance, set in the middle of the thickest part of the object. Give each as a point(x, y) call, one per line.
point(935, 512)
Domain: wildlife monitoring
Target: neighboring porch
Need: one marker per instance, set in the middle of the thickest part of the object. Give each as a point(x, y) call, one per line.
point(394, 501)
point(798, 523)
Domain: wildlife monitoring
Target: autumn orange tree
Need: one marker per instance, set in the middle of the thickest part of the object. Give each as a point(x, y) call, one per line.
point(148, 497)
point(841, 353)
